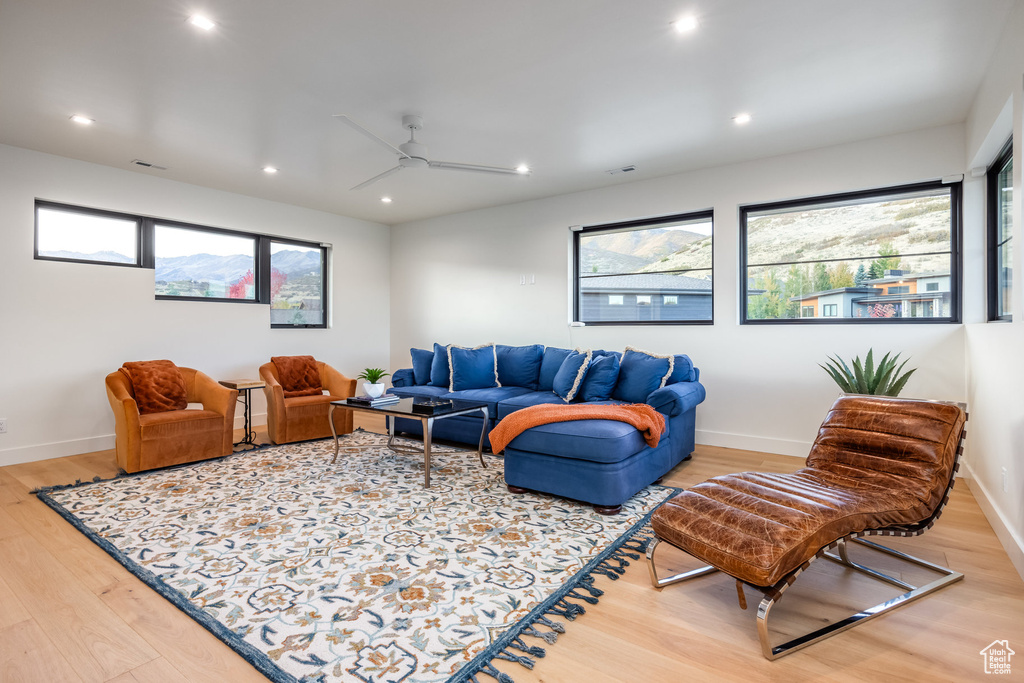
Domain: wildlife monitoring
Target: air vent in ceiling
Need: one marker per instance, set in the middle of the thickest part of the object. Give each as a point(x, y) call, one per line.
point(624, 169)
point(146, 164)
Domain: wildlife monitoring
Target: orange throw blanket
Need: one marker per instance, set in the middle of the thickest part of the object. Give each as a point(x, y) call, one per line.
point(640, 415)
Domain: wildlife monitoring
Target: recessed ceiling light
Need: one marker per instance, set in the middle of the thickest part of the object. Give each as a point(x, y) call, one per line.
point(269, 169)
point(686, 24)
point(386, 200)
point(522, 168)
point(200, 21)
point(741, 119)
point(84, 120)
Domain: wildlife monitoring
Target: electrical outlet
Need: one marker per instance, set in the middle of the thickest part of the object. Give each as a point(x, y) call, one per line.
point(1006, 481)
point(3, 425)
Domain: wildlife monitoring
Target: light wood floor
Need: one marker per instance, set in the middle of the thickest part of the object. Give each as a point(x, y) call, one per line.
point(68, 612)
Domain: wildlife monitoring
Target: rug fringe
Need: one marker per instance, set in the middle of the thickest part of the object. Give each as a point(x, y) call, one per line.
point(613, 566)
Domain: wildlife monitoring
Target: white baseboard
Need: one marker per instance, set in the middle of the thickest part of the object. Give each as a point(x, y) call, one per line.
point(748, 442)
point(257, 420)
point(57, 449)
point(1010, 539)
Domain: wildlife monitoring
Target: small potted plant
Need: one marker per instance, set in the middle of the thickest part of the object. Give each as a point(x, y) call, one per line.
point(866, 378)
point(373, 386)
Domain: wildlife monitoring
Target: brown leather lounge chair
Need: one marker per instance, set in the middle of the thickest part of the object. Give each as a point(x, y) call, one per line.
point(154, 427)
point(880, 466)
point(296, 405)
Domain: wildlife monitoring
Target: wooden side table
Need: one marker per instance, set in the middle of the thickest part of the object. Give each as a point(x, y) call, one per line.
point(244, 387)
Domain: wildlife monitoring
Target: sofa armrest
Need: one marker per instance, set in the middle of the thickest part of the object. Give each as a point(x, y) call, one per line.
point(677, 398)
point(215, 396)
point(337, 384)
point(403, 378)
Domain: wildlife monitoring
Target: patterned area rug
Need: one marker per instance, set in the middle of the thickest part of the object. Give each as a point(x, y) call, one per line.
point(354, 571)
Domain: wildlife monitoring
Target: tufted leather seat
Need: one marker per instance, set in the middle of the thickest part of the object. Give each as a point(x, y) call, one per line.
point(878, 465)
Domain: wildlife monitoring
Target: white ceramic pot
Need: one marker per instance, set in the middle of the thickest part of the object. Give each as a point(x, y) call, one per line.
point(373, 390)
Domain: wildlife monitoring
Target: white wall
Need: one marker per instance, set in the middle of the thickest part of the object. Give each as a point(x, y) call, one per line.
point(66, 325)
point(994, 350)
point(460, 278)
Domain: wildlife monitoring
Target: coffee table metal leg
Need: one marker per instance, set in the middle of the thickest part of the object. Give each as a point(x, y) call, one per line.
point(483, 430)
point(391, 430)
point(428, 428)
point(334, 432)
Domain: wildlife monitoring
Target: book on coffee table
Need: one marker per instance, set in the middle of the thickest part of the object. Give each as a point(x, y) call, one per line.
point(364, 400)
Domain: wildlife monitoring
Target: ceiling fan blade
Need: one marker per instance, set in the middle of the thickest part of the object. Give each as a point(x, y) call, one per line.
point(375, 178)
point(452, 166)
point(372, 136)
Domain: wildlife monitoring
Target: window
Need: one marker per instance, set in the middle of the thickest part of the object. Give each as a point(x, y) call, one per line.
point(70, 233)
point(668, 257)
point(807, 311)
point(864, 250)
point(194, 263)
point(297, 285)
point(1000, 234)
point(932, 287)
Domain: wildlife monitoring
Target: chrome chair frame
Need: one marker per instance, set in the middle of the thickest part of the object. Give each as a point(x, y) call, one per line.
point(772, 594)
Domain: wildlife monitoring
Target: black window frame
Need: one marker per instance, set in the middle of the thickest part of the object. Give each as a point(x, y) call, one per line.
point(140, 249)
point(146, 255)
point(640, 223)
point(955, 251)
point(993, 243)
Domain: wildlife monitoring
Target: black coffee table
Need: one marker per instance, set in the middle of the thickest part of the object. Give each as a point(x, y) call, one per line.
point(404, 408)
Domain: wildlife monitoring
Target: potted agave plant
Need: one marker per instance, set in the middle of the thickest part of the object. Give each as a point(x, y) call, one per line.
point(373, 386)
point(867, 378)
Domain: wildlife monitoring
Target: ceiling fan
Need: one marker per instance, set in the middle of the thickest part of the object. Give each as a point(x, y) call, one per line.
point(413, 154)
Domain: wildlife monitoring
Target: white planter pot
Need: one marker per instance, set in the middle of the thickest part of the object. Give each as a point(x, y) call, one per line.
point(373, 390)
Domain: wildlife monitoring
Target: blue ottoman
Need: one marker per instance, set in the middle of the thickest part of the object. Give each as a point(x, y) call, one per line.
point(601, 462)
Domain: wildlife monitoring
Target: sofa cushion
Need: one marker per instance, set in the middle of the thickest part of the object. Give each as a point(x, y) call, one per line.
point(439, 367)
point(532, 398)
point(601, 379)
point(682, 370)
point(519, 366)
point(421, 361)
point(158, 386)
point(425, 391)
point(640, 373)
point(492, 396)
point(298, 375)
point(569, 377)
point(475, 368)
point(549, 365)
point(594, 440)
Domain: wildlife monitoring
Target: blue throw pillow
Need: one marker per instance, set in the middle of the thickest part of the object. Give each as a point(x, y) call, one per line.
point(549, 366)
point(421, 361)
point(569, 377)
point(601, 377)
point(439, 367)
point(473, 368)
point(640, 373)
point(682, 370)
point(519, 366)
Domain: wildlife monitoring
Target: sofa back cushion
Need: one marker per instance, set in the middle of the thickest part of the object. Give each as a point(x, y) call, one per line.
point(439, 373)
point(298, 375)
point(549, 365)
point(519, 366)
point(158, 385)
point(475, 368)
point(640, 373)
point(570, 375)
point(421, 361)
point(602, 375)
point(682, 370)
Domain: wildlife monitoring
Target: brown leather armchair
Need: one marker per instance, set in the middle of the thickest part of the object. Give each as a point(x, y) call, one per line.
point(880, 466)
point(171, 437)
point(305, 417)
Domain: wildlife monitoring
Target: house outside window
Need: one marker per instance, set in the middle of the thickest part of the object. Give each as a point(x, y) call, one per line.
point(645, 271)
point(1000, 235)
point(875, 256)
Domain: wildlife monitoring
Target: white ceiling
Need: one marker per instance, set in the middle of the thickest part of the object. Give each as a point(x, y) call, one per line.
point(570, 87)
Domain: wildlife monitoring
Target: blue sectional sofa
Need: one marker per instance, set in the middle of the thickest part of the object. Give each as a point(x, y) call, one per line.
point(602, 462)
